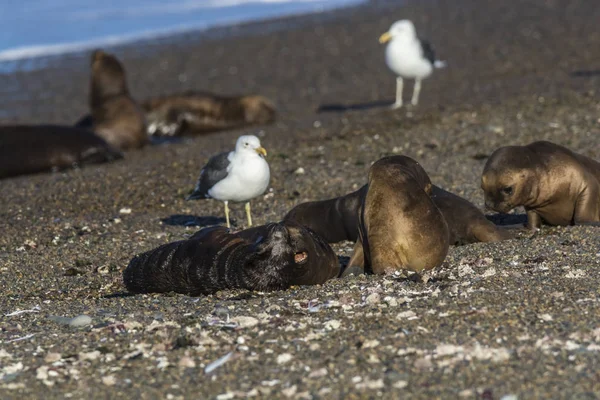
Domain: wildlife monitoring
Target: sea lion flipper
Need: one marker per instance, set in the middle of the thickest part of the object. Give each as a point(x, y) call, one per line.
point(356, 265)
point(587, 207)
point(534, 221)
point(486, 231)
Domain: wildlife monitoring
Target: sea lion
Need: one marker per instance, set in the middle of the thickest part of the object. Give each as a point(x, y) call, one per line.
point(334, 220)
point(115, 115)
point(553, 183)
point(268, 257)
point(27, 149)
point(337, 219)
point(400, 227)
point(197, 113)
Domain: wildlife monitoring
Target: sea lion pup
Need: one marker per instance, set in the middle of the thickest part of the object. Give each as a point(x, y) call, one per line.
point(197, 113)
point(466, 223)
point(334, 220)
point(400, 227)
point(265, 258)
point(27, 149)
point(337, 219)
point(553, 183)
point(115, 116)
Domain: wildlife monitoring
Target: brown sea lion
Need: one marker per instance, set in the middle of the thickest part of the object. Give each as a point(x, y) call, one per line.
point(400, 227)
point(265, 258)
point(197, 113)
point(115, 115)
point(337, 219)
point(553, 183)
point(27, 149)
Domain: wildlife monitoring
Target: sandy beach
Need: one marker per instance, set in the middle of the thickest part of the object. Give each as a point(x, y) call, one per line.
point(518, 318)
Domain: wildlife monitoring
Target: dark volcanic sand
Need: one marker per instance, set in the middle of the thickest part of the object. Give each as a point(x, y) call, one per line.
point(518, 318)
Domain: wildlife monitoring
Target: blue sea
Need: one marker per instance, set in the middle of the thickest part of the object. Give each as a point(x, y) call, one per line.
point(38, 28)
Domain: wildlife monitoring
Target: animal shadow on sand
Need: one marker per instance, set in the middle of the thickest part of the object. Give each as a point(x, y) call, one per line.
point(585, 73)
point(508, 219)
point(324, 108)
point(193, 220)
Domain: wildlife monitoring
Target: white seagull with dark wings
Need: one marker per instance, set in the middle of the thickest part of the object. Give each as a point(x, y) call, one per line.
point(239, 175)
point(408, 57)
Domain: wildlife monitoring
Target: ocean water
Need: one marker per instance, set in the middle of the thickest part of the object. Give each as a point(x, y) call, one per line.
point(40, 28)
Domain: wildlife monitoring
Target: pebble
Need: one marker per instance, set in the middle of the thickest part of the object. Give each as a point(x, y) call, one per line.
point(125, 210)
point(80, 321)
point(245, 322)
point(332, 325)
point(373, 298)
point(284, 358)
point(300, 171)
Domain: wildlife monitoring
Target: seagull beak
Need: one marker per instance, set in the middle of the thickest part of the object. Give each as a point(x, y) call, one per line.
point(261, 151)
point(385, 38)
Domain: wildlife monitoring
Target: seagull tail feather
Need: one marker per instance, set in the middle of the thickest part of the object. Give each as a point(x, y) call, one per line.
point(439, 64)
point(196, 195)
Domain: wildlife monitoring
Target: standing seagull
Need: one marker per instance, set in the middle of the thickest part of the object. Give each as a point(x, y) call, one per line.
point(408, 57)
point(238, 175)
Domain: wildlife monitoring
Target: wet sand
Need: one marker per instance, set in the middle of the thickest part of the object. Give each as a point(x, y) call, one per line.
point(513, 318)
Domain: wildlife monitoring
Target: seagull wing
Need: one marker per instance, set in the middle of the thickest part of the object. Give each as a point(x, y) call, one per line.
point(427, 51)
point(214, 171)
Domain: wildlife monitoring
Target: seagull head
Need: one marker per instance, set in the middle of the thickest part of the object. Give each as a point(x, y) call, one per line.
point(403, 28)
point(250, 143)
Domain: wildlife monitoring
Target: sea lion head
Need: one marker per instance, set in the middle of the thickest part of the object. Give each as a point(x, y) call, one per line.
point(509, 178)
point(400, 166)
point(108, 77)
point(290, 254)
point(258, 110)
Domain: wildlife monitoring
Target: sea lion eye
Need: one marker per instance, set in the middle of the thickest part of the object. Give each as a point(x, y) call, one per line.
point(507, 190)
point(301, 257)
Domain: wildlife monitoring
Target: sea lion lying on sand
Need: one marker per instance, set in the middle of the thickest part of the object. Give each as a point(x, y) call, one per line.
point(197, 113)
point(268, 257)
point(337, 219)
point(400, 227)
point(115, 115)
point(553, 183)
point(27, 149)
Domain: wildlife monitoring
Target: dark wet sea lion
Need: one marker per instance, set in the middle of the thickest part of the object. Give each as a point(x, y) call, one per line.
point(115, 115)
point(553, 183)
point(400, 227)
point(336, 219)
point(197, 113)
point(265, 258)
point(27, 149)
point(466, 223)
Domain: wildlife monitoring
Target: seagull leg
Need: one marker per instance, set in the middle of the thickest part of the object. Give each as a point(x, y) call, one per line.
point(399, 88)
point(248, 214)
point(227, 214)
point(416, 91)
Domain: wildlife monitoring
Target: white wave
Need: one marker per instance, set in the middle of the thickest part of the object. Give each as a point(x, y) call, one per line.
point(67, 10)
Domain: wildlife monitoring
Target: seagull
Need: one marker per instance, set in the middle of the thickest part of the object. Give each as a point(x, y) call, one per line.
point(408, 57)
point(238, 175)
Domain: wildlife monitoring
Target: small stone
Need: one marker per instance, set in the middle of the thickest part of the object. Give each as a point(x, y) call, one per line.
point(109, 380)
point(245, 322)
point(52, 357)
point(284, 358)
point(509, 397)
point(391, 301)
point(400, 384)
point(299, 171)
point(318, 373)
point(241, 340)
point(423, 363)
point(369, 344)
point(187, 362)
point(406, 315)
point(226, 396)
point(373, 298)
point(80, 321)
point(125, 210)
point(545, 317)
point(332, 325)
point(289, 392)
